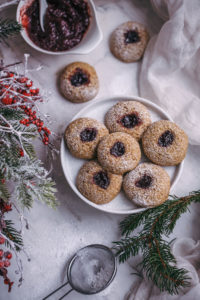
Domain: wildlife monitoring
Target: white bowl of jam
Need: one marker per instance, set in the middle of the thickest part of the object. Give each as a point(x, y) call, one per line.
point(71, 26)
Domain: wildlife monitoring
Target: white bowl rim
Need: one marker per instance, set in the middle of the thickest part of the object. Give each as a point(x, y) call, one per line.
point(75, 50)
point(76, 191)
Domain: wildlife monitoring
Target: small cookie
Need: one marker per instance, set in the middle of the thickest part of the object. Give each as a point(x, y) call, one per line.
point(83, 135)
point(165, 143)
point(79, 82)
point(128, 41)
point(96, 184)
point(147, 185)
point(131, 117)
point(118, 152)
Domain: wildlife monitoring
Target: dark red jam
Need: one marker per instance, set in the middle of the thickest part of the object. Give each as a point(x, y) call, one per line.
point(117, 149)
point(144, 182)
point(88, 134)
point(101, 179)
point(131, 120)
point(166, 139)
point(65, 23)
point(131, 37)
point(79, 78)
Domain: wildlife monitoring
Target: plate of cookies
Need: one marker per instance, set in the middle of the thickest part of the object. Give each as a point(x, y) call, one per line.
point(122, 155)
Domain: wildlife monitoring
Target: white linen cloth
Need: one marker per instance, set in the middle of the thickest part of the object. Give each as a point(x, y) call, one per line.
point(170, 72)
point(187, 253)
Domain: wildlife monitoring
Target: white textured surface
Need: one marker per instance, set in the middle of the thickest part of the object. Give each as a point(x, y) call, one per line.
point(54, 236)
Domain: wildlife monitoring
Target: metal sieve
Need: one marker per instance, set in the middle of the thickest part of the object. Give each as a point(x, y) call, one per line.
point(90, 270)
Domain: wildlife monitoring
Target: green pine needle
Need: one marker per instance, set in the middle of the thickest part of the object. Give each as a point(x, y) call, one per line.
point(8, 28)
point(158, 262)
point(13, 235)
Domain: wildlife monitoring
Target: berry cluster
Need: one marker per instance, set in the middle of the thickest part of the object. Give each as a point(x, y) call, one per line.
point(16, 89)
point(5, 256)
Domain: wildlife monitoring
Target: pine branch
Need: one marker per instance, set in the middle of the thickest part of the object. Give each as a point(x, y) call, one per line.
point(4, 193)
point(11, 114)
point(158, 262)
point(12, 234)
point(8, 28)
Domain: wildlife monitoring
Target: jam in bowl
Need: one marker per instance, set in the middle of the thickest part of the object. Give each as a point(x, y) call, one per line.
point(70, 26)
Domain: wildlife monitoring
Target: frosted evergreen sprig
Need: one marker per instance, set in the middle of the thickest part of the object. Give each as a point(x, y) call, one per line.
point(23, 178)
point(158, 263)
point(8, 28)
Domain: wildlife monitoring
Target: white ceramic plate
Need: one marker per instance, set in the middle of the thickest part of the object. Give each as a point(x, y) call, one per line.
point(90, 41)
point(71, 165)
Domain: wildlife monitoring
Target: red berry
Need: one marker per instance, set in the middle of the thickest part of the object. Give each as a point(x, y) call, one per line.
point(33, 91)
point(26, 94)
point(8, 255)
point(6, 263)
point(6, 281)
point(8, 207)
point(1, 264)
point(2, 240)
point(21, 152)
point(22, 79)
point(1, 253)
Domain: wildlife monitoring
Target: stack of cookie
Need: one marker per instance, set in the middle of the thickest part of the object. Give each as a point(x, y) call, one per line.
point(114, 151)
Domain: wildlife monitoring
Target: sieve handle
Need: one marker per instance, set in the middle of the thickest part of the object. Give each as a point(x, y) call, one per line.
point(58, 290)
point(65, 294)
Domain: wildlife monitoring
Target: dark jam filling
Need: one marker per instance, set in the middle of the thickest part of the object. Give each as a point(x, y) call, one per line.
point(117, 149)
point(101, 179)
point(131, 120)
point(131, 37)
point(166, 139)
point(88, 134)
point(65, 23)
point(79, 78)
point(144, 182)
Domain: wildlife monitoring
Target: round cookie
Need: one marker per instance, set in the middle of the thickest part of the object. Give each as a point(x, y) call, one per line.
point(83, 135)
point(165, 143)
point(118, 152)
point(96, 184)
point(128, 41)
point(79, 82)
point(131, 117)
point(147, 185)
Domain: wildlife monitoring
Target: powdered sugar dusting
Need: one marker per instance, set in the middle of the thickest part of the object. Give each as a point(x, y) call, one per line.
point(156, 193)
point(92, 269)
point(116, 112)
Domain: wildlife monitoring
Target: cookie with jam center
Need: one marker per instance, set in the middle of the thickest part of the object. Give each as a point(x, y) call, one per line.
point(128, 41)
point(147, 185)
point(83, 135)
point(97, 184)
point(165, 143)
point(128, 116)
point(118, 152)
point(79, 82)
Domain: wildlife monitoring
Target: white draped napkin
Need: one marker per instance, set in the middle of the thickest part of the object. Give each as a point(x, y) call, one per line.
point(170, 73)
point(187, 253)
